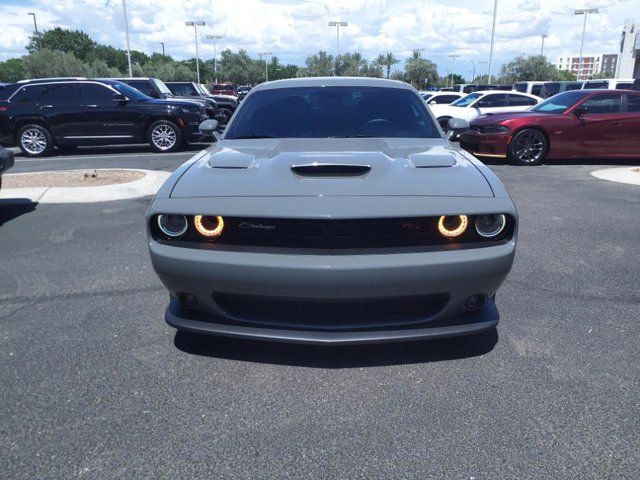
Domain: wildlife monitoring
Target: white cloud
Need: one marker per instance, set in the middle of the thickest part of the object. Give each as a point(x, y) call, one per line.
point(293, 29)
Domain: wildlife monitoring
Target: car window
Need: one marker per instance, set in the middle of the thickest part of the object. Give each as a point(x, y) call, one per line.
point(549, 89)
point(623, 85)
point(325, 112)
point(573, 86)
point(182, 89)
point(95, 94)
point(536, 89)
point(160, 85)
point(558, 103)
point(607, 103)
point(466, 100)
point(492, 101)
point(143, 86)
point(446, 98)
point(520, 100)
point(28, 94)
point(520, 87)
point(595, 84)
point(633, 103)
point(62, 94)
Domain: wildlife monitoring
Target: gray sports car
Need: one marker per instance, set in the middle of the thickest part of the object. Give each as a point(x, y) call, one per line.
point(332, 210)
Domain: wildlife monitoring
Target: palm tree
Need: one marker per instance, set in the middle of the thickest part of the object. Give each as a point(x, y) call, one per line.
point(387, 60)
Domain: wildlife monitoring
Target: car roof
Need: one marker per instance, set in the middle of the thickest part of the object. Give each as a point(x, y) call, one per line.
point(333, 82)
point(510, 92)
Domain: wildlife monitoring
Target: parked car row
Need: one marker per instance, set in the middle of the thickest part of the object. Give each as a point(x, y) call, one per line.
point(39, 115)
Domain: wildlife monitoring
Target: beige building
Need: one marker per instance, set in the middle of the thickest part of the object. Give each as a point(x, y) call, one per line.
point(592, 64)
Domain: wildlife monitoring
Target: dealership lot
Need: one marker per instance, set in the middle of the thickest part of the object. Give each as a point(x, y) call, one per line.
point(95, 384)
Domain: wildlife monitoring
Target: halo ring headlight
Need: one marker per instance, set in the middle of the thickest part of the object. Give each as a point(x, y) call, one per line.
point(208, 226)
point(453, 226)
point(172, 225)
point(490, 225)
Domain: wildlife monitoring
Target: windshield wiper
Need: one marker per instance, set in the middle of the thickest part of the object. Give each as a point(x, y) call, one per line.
point(245, 137)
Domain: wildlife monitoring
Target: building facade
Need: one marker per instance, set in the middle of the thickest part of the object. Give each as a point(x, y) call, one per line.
point(629, 60)
point(592, 64)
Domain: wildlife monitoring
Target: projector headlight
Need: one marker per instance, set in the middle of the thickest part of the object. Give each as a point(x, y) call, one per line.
point(172, 225)
point(489, 226)
point(208, 226)
point(453, 226)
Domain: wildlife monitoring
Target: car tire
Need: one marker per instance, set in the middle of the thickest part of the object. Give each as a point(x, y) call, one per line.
point(528, 147)
point(164, 136)
point(35, 141)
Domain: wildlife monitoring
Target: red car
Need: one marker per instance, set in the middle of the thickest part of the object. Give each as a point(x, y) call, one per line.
point(222, 89)
point(573, 124)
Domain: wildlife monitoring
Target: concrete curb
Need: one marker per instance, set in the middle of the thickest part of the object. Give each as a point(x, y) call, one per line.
point(148, 185)
point(628, 175)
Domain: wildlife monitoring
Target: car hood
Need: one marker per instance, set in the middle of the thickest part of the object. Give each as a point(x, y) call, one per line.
point(332, 167)
point(494, 118)
point(177, 101)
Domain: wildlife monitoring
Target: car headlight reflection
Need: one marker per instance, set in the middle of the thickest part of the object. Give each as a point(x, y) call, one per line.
point(208, 226)
point(453, 226)
point(489, 226)
point(172, 225)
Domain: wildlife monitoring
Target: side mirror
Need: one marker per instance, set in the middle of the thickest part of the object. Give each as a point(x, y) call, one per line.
point(579, 111)
point(7, 159)
point(457, 126)
point(120, 98)
point(208, 128)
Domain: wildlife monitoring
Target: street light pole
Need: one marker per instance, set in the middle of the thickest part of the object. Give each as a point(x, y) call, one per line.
point(493, 33)
point(35, 27)
point(338, 25)
point(195, 25)
point(454, 59)
point(544, 35)
point(126, 28)
point(473, 77)
point(162, 43)
point(215, 54)
point(266, 70)
point(585, 12)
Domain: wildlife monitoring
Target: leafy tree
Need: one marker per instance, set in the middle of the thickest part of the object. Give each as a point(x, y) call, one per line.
point(69, 41)
point(54, 63)
point(531, 68)
point(371, 70)
point(565, 75)
point(12, 70)
point(319, 65)
point(238, 68)
point(418, 69)
point(387, 61)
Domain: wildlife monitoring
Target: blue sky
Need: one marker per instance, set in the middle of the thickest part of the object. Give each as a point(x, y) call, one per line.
point(294, 29)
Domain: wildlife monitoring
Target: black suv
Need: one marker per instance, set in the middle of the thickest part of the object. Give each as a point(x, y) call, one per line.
point(227, 104)
point(156, 88)
point(37, 115)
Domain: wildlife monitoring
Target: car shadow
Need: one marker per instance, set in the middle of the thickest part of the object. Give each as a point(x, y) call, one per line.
point(112, 150)
point(337, 357)
point(12, 208)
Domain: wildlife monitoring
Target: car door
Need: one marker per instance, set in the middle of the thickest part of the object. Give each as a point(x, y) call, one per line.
point(596, 132)
point(107, 120)
point(492, 103)
point(629, 125)
point(60, 106)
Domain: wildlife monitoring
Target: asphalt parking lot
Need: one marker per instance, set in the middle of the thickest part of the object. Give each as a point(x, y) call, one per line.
point(94, 384)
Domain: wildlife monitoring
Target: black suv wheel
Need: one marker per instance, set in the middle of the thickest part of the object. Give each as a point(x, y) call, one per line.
point(35, 141)
point(164, 136)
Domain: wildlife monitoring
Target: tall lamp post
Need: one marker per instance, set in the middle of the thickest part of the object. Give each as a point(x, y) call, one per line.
point(338, 25)
point(215, 54)
point(493, 34)
point(454, 59)
point(585, 12)
point(543, 36)
point(162, 43)
point(126, 29)
point(35, 28)
point(195, 25)
point(473, 77)
point(266, 70)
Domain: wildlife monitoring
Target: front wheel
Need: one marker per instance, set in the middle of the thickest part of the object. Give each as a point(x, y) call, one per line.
point(35, 141)
point(164, 136)
point(528, 147)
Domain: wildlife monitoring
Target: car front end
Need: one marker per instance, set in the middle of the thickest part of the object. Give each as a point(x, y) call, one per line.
point(332, 240)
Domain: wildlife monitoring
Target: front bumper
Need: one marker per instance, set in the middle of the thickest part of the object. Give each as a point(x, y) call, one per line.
point(453, 275)
point(492, 145)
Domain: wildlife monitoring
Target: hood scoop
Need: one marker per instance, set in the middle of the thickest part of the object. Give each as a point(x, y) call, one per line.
point(330, 170)
point(432, 160)
point(231, 159)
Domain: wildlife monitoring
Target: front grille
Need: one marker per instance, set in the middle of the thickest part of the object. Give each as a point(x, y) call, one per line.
point(331, 314)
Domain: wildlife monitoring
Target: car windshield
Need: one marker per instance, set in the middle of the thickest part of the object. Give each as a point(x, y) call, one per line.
point(558, 103)
point(466, 101)
point(202, 89)
point(129, 92)
point(427, 96)
point(339, 112)
point(162, 87)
